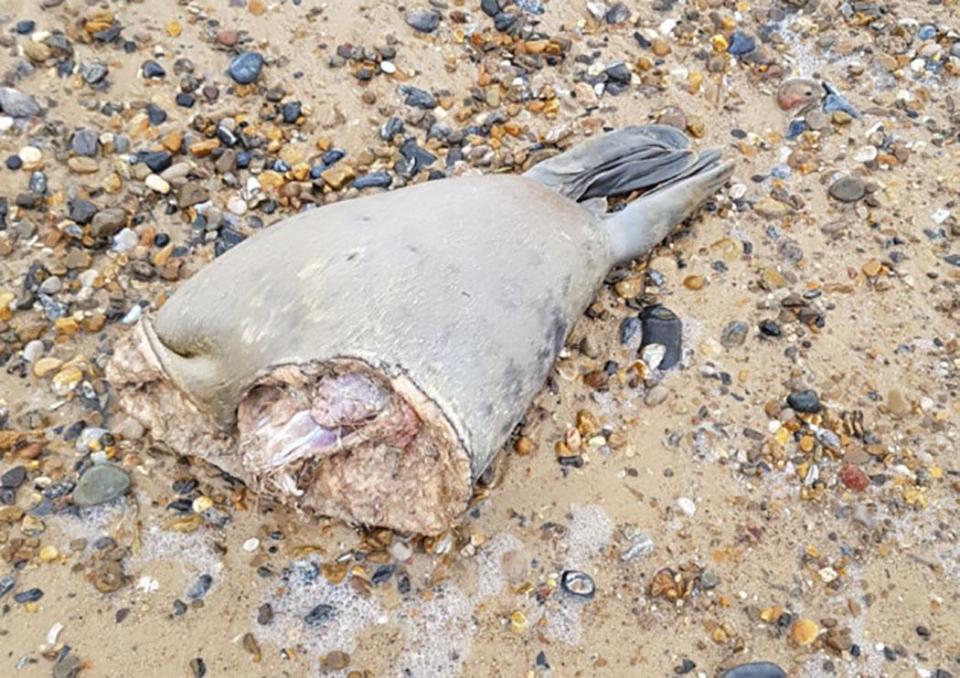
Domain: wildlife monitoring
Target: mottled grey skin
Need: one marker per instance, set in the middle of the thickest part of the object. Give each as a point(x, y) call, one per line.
point(465, 288)
point(472, 308)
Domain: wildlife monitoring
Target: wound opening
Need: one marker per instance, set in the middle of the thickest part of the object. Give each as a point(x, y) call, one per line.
point(345, 440)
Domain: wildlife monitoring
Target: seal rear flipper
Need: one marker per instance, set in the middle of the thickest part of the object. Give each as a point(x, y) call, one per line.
point(636, 229)
point(634, 158)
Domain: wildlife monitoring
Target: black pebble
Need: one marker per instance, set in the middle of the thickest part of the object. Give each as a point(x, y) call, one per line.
point(14, 478)
point(14, 162)
point(804, 401)
point(152, 70)
point(660, 325)
point(770, 328)
point(25, 26)
point(320, 615)
point(29, 596)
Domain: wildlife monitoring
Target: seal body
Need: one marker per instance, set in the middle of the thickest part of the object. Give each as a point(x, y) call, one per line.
point(368, 359)
point(459, 293)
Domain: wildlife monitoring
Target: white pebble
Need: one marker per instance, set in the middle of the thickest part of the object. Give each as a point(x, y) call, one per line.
point(125, 240)
point(866, 154)
point(148, 584)
point(133, 315)
point(251, 545)
point(157, 183)
point(33, 350)
point(6, 122)
point(686, 505)
point(30, 155)
point(54, 633)
point(237, 205)
point(388, 67)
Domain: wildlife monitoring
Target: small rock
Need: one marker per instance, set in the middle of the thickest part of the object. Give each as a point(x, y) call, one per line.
point(741, 43)
point(108, 221)
point(756, 670)
point(151, 70)
point(804, 401)
point(245, 68)
point(320, 615)
point(804, 632)
point(17, 104)
point(578, 584)
point(656, 395)
point(848, 189)
point(661, 326)
point(100, 484)
point(423, 20)
point(734, 334)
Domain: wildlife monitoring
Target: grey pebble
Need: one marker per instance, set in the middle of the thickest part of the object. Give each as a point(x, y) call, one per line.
point(734, 334)
point(756, 670)
point(17, 104)
point(848, 189)
point(100, 484)
point(423, 20)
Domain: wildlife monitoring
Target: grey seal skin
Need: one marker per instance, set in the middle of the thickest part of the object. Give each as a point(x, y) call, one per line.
point(369, 358)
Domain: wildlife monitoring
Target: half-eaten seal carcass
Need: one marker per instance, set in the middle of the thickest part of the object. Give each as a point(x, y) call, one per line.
point(369, 358)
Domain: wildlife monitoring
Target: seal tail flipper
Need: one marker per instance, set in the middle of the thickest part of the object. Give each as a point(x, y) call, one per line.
point(636, 229)
point(634, 158)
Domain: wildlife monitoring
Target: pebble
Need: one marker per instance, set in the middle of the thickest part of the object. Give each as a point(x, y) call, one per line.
point(734, 334)
point(848, 189)
point(578, 584)
point(687, 506)
point(755, 670)
point(423, 20)
point(7, 582)
point(245, 68)
point(100, 484)
point(741, 43)
point(656, 395)
point(30, 155)
point(156, 183)
point(200, 587)
point(17, 104)
point(85, 142)
point(320, 615)
point(806, 401)
point(373, 180)
point(661, 326)
point(152, 70)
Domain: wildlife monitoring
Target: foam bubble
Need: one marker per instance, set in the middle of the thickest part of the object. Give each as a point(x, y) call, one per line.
point(589, 532)
point(192, 551)
point(437, 633)
point(490, 577)
point(304, 590)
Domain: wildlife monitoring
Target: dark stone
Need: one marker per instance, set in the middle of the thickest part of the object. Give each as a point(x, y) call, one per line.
point(734, 334)
point(503, 22)
point(578, 584)
point(490, 7)
point(952, 259)
point(391, 128)
point(17, 104)
point(185, 100)
point(661, 326)
point(245, 68)
point(156, 115)
point(200, 587)
point(686, 666)
point(373, 180)
point(85, 142)
point(265, 614)
point(7, 583)
point(807, 401)
point(14, 162)
point(25, 26)
point(157, 161)
point(290, 112)
point(152, 70)
point(418, 98)
point(770, 328)
point(82, 211)
point(629, 328)
point(94, 72)
point(423, 20)
point(320, 615)
point(741, 43)
point(619, 73)
point(37, 183)
point(14, 478)
point(756, 670)
point(29, 596)
point(617, 14)
point(848, 189)
point(100, 484)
